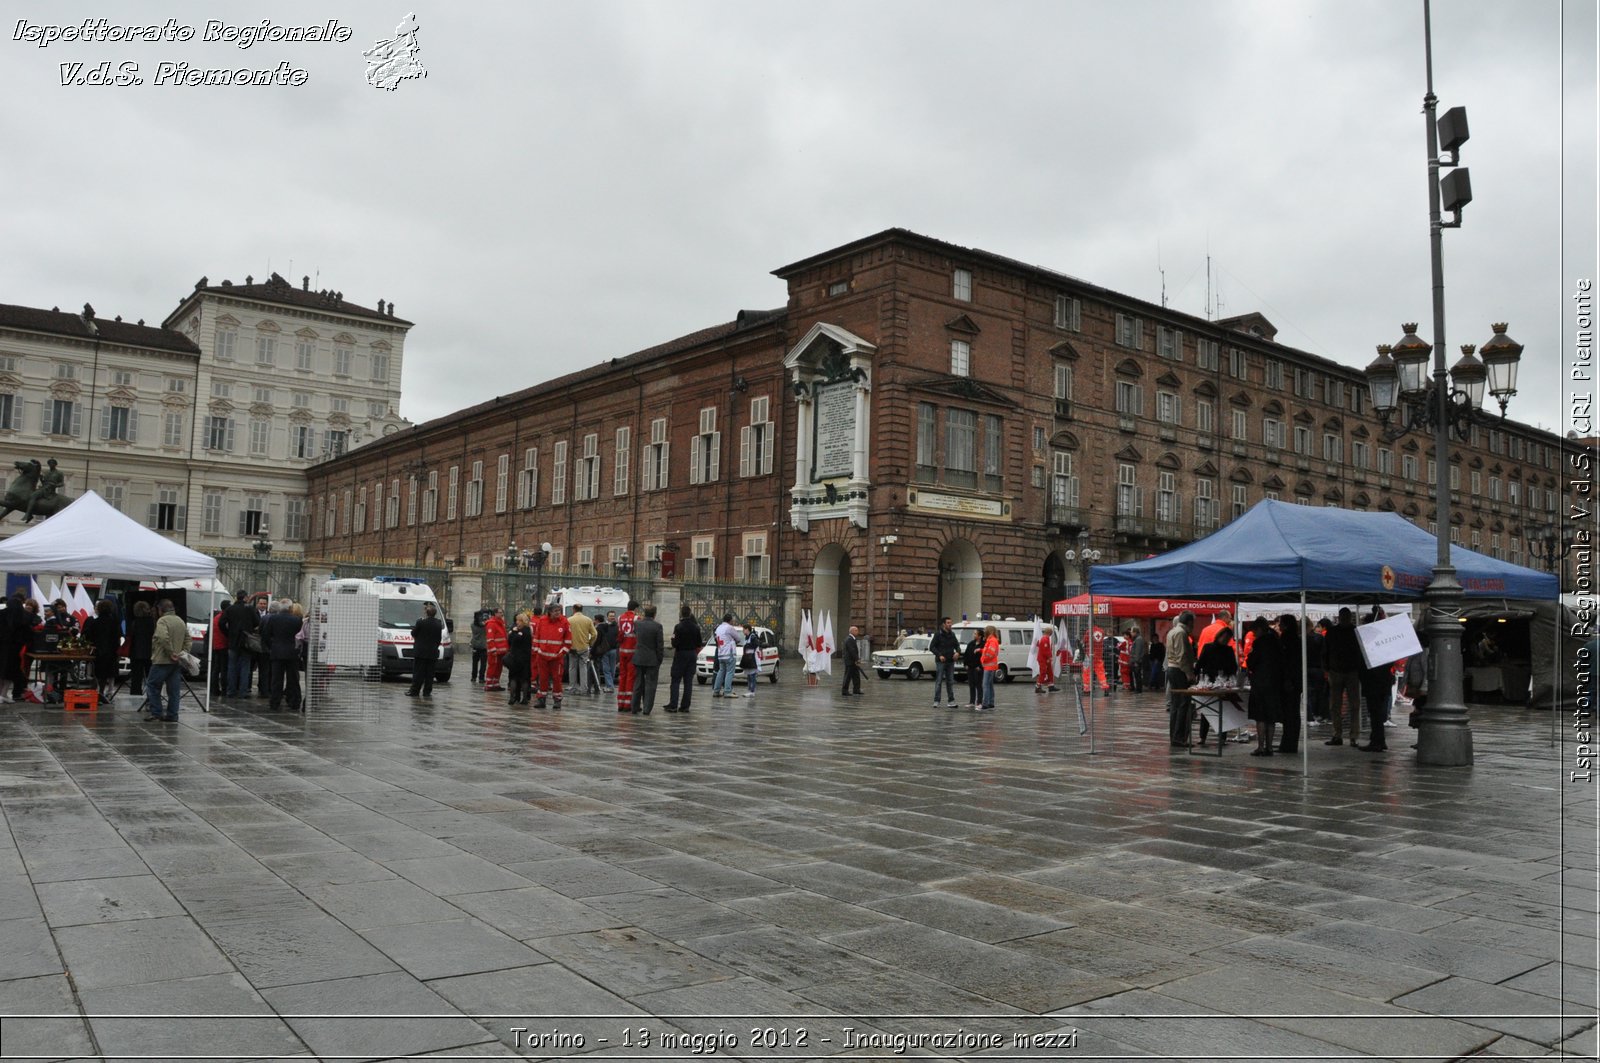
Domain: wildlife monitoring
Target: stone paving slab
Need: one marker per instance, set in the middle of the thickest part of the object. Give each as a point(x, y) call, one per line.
point(383, 879)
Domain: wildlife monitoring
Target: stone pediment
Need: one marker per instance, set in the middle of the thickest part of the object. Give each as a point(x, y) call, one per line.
point(960, 323)
point(65, 389)
point(307, 333)
point(1304, 417)
point(1064, 350)
point(1169, 379)
point(1169, 460)
point(961, 387)
point(1387, 505)
point(1206, 468)
point(1129, 367)
point(1274, 407)
point(1129, 453)
point(300, 415)
point(1064, 440)
point(1206, 389)
point(1240, 398)
point(173, 401)
point(1273, 483)
point(267, 326)
point(220, 407)
point(1241, 475)
point(344, 337)
point(122, 396)
point(262, 409)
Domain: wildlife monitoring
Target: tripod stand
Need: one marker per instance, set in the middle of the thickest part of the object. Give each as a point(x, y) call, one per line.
point(185, 689)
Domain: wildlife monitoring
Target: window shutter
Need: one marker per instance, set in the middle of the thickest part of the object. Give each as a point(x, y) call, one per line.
point(133, 425)
point(716, 456)
point(696, 444)
point(665, 466)
point(229, 440)
point(77, 419)
point(647, 470)
point(766, 453)
point(738, 568)
point(746, 458)
point(44, 417)
point(154, 519)
point(183, 514)
point(243, 523)
point(105, 422)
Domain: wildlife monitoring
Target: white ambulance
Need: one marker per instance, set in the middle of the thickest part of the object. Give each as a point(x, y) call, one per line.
point(389, 606)
point(596, 601)
point(1016, 646)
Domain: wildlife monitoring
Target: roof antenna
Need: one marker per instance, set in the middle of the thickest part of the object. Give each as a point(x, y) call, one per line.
point(1163, 274)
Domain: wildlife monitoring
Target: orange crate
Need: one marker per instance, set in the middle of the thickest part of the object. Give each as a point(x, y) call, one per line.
point(81, 700)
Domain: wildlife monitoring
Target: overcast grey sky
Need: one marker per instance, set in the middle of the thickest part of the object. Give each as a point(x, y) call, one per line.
point(574, 181)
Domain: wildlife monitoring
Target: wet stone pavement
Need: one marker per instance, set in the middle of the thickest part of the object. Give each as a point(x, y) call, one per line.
point(792, 875)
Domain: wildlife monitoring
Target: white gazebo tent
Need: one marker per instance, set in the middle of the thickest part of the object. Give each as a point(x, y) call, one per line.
point(92, 538)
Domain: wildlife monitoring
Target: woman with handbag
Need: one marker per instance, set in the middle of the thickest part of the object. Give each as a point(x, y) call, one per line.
point(750, 660)
point(103, 631)
point(141, 629)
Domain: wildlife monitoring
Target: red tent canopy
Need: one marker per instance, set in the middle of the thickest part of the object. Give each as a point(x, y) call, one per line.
point(1137, 607)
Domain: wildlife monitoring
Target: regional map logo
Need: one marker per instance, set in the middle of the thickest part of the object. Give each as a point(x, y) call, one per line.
point(392, 61)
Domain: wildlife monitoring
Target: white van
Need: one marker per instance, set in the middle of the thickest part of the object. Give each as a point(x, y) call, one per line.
point(1016, 646)
point(396, 604)
point(595, 600)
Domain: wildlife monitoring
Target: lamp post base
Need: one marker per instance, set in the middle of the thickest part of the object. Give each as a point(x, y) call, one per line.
point(1444, 738)
point(1443, 745)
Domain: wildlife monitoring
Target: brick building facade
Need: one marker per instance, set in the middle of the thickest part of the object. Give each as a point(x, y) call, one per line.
point(922, 430)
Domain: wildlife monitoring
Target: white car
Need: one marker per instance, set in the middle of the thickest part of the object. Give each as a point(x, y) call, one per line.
point(766, 656)
point(911, 658)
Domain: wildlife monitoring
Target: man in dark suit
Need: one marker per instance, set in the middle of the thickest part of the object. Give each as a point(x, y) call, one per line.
point(283, 654)
point(426, 634)
point(686, 642)
point(852, 663)
point(240, 622)
point(648, 651)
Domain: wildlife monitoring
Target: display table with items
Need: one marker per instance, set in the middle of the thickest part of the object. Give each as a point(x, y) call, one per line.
point(66, 678)
point(1222, 709)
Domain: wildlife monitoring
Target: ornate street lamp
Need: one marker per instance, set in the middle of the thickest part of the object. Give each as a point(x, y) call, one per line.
point(1448, 405)
point(511, 556)
point(263, 551)
point(1549, 546)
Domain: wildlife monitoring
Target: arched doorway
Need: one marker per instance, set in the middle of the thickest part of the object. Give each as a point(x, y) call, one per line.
point(1055, 583)
point(960, 581)
point(830, 588)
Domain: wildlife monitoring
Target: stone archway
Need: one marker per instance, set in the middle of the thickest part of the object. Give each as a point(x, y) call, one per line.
point(960, 581)
point(1055, 583)
point(830, 588)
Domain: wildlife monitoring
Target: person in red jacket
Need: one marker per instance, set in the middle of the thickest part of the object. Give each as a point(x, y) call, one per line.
point(552, 638)
point(494, 630)
point(217, 666)
point(626, 641)
point(1094, 662)
point(990, 660)
point(1044, 677)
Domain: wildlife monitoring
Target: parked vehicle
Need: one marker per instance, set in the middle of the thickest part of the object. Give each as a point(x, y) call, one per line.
point(766, 641)
point(1016, 646)
point(396, 604)
point(595, 600)
point(911, 658)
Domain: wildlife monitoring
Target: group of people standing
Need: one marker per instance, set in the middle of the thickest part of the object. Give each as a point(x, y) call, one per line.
point(263, 639)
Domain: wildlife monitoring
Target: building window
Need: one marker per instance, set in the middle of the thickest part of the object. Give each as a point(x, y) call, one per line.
point(119, 423)
point(1205, 505)
point(1168, 502)
point(1069, 314)
point(1477, 483)
point(475, 491)
point(1240, 500)
point(1433, 472)
point(266, 350)
point(377, 409)
point(115, 492)
point(411, 502)
point(927, 444)
point(219, 433)
point(1204, 415)
point(961, 285)
point(1038, 438)
point(1130, 398)
point(176, 385)
point(1128, 504)
point(620, 464)
point(528, 479)
point(377, 505)
point(1236, 363)
point(341, 361)
point(1358, 400)
point(1167, 408)
point(655, 457)
point(300, 400)
point(961, 448)
point(260, 436)
point(1130, 331)
point(1494, 489)
point(1205, 354)
point(1274, 375)
point(167, 512)
point(1361, 454)
point(1455, 485)
point(705, 562)
point(1385, 461)
point(1273, 433)
point(1408, 468)
point(1241, 426)
point(302, 441)
point(1169, 343)
point(1302, 440)
point(226, 339)
point(122, 378)
point(339, 404)
point(1063, 388)
point(172, 429)
point(294, 517)
point(452, 485)
point(1303, 382)
point(430, 498)
point(330, 518)
point(960, 358)
point(1335, 392)
point(1332, 447)
point(755, 441)
point(211, 512)
point(337, 442)
point(839, 288)
point(558, 475)
point(705, 449)
point(502, 481)
point(586, 473)
point(1063, 481)
point(61, 417)
point(221, 389)
point(380, 367)
point(261, 396)
point(991, 453)
point(753, 565)
point(304, 351)
point(391, 505)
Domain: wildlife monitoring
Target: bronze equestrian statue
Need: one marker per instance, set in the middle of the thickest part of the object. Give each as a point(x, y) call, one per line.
point(35, 493)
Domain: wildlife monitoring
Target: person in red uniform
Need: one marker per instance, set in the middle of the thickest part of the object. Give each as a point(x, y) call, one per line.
point(1044, 676)
point(1125, 659)
point(1094, 663)
point(494, 630)
point(1222, 620)
point(552, 638)
point(626, 641)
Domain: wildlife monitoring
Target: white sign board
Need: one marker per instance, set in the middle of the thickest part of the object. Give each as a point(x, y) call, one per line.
point(1388, 640)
